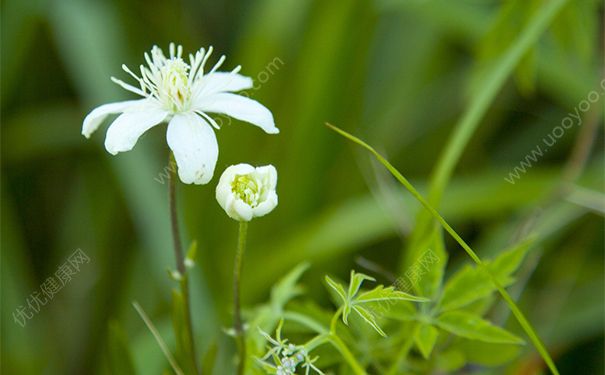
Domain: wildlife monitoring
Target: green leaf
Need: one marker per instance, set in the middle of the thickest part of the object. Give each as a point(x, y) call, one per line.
point(425, 338)
point(400, 310)
point(369, 318)
point(355, 283)
point(430, 261)
point(346, 303)
point(287, 287)
point(120, 360)
point(380, 294)
point(489, 354)
point(510, 260)
point(453, 359)
point(464, 287)
point(473, 327)
point(471, 284)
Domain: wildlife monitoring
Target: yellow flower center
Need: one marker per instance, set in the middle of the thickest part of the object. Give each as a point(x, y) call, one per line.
point(174, 90)
point(247, 189)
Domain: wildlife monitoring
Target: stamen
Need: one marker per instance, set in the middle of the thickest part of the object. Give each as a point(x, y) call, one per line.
point(209, 119)
point(128, 87)
point(218, 64)
point(206, 57)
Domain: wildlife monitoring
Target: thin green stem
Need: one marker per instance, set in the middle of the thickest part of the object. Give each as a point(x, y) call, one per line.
point(346, 354)
point(180, 262)
point(238, 324)
point(527, 327)
point(335, 320)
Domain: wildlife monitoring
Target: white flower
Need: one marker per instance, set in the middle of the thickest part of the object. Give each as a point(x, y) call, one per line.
point(245, 192)
point(181, 94)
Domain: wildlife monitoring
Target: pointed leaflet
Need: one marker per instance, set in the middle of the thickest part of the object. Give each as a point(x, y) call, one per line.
point(355, 282)
point(425, 338)
point(472, 327)
point(380, 293)
point(471, 284)
point(369, 318)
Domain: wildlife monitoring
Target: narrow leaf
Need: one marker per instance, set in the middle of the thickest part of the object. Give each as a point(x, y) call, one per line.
point(369, 318)
point(355, 283)
point(473, 327)
point(337, 288)
point(380, 293)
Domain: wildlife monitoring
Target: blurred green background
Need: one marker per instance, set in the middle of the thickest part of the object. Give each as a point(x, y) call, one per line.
point(399, 73)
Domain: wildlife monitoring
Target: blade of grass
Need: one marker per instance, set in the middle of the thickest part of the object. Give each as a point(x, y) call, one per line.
point(158, 338)
point(527, 327)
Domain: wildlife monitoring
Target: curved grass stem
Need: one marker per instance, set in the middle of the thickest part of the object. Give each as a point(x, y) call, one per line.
point(527, 327)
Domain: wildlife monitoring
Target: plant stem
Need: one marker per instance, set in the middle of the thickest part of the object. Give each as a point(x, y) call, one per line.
point(527, 327)
point(346, 354)
point(237, 270)
point(180, 261)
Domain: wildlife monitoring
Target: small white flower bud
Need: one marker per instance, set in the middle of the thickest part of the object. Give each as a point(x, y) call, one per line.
point(245, 192)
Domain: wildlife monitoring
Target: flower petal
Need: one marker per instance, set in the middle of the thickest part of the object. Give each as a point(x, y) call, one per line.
point(195, 149)
point(222, 82)
point(124, 132)
point(97, 115)
point(239, 107)
point(267, 205)
point(224, 193)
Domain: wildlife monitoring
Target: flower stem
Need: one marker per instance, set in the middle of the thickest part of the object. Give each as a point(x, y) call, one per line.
point(237, 315)
point(180, 261)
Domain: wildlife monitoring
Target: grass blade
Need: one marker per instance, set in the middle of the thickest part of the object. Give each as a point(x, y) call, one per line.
point(158, 338)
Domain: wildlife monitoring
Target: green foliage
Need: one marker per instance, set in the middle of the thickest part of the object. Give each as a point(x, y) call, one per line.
point(355, 301)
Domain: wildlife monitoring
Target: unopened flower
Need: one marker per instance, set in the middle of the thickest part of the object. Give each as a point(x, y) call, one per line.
point(180, 93)
point(246, 192)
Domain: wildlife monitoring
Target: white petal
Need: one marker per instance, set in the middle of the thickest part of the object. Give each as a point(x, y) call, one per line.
point(267, 205)
point(125, 131)
point(222, 82)
point(269, 174)
point(223, 188)
point(195, 149)
point(239, 107)
point(240, 211)
point(97, 115)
